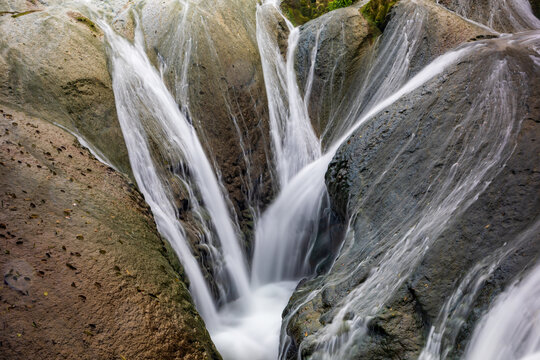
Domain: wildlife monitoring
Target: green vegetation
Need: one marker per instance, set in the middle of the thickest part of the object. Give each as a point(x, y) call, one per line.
point(301, 11)
point(376, 12)
point(337, 4)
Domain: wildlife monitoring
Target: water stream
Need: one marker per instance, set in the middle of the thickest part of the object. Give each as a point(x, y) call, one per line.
point(511, 328)
point(167, 153)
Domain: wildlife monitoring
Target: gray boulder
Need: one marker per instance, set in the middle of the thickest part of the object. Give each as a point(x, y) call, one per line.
point(441, 187)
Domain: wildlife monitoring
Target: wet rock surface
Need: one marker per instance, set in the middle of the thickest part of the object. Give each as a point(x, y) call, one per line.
point(54, 66)
point(416, 143)
point(226, 94)
point(342, 38)
point(347, 61)
point(85, 272)
point(505, 17)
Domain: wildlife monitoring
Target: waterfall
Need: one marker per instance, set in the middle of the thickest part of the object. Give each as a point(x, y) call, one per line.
point(287, 228)
point(149, 116)
point(147, 112)
point(294, 142)
point(297, 204)
point(504, 16)
point(452, 317)
point(406, 247)
point(388, 68)
point(511, 328)
point(169, 156)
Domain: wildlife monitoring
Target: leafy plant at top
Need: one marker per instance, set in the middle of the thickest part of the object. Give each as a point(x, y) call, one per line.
point(337, 4)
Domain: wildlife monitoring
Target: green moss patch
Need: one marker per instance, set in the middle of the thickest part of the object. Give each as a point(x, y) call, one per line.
point(16, 15)
point(377, 11)
point(301, 11)
point(86, 21)
point(337, 4)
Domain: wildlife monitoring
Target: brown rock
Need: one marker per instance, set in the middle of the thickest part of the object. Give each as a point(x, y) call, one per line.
point(104, 313)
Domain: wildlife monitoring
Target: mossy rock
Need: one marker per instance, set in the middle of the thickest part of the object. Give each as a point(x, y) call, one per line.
point(377, 12)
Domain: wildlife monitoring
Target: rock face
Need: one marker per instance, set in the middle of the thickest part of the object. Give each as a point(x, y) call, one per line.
point(85, 272)
point(459, 187)
point(54, 66)
point(68, 82)
point(342, 39)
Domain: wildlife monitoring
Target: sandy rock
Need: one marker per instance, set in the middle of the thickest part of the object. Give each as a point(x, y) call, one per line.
point(53, 65)
point(86, 274)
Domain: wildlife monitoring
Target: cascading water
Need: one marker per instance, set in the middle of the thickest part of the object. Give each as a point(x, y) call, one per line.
point(283, 233)
point(153, 111)
point(294, 142)
point(166, 151)
point(145, 107)
point(148, 115)
point(335, 342)
point(505, 16)
point(452, 317)
point(511, 329)
point(402, 248)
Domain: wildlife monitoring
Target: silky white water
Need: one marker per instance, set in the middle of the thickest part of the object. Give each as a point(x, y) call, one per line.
point(511, 328)
point(146, 108)
point(294, 141)
point(152, 111)
point(400, 251)
point(248, 327)
point(452, 316)
point(134, 76)
point(501, 15)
